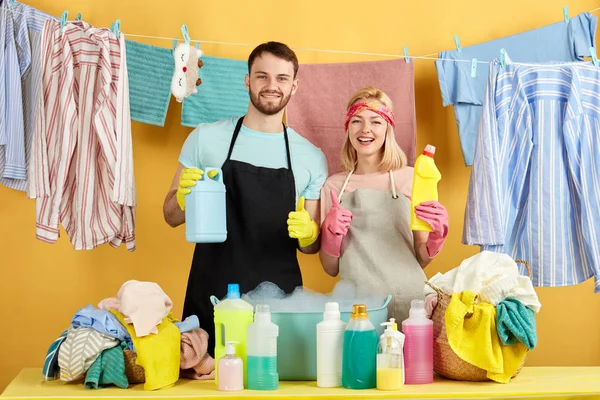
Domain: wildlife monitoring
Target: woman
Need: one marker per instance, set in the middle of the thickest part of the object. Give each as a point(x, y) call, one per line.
point(365, 232)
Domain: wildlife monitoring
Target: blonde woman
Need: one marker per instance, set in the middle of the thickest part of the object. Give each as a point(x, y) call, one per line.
point(365, 211)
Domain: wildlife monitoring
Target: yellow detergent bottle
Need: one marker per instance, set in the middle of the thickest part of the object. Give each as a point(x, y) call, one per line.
point(424, 186)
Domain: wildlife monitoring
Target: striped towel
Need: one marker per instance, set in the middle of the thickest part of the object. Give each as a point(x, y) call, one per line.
point(222, 94)
point(150, 70)
point(50, 369)
point(79, 351)
point(109, 368)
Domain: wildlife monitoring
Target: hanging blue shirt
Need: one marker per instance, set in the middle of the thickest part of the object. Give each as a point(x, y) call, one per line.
point(557, 42)
point(534, 192)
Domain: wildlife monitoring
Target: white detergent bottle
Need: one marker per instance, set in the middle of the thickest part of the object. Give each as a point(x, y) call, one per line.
point(330, 347)
point(390, 358)
point(231, 367)
point(262, 351)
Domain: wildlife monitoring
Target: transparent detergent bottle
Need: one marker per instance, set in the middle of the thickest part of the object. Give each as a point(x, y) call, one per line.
point(360, 351)
point(232, 317)
point(390, 358)
point(262, 351)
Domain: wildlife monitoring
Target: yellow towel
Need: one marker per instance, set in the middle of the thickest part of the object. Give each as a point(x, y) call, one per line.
point(471, 331)
point(157, 353)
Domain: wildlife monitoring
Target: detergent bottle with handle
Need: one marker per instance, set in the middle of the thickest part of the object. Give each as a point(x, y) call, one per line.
point(390, 358)
point(232, 317)
point(205, 209)
point(424, 187)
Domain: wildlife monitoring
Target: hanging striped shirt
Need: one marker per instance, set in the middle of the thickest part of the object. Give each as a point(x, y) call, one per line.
point(535, 184)
point(27, 23)
point(81, 169)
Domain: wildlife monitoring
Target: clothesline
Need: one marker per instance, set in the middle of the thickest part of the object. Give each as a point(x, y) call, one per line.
point(423, 57)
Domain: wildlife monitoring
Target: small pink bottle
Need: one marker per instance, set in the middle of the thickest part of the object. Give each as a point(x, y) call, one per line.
point(418, 345)
point(231, 370)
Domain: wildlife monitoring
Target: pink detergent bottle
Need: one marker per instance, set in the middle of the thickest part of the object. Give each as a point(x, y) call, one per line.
point(418, 345)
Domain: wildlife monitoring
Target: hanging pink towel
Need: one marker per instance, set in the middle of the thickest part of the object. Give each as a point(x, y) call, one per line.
point(318, 110)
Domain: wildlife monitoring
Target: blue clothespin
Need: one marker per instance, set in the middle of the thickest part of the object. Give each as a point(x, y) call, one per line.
point(503, 58)
point(406, 58)
point(566, 14)
point(63, 19)
point(186, 36)
point(174, 45)
point(594, 56)
point(457, 41)
point(198, 44)
point(115, 28)
point(473, 68)
point(78, 17)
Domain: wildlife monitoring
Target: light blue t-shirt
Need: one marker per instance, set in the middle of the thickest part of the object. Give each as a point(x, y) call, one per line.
point(208, 144)
point(557, 42)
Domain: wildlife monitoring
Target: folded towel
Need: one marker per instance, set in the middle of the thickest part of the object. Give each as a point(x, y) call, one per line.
point(109, 368)
point(196, 363)
point(472, 335)
point(150, 70)
point(222, 94)
point(515, 322)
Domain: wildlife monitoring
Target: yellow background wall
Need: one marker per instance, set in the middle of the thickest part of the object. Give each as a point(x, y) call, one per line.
point(42, 285)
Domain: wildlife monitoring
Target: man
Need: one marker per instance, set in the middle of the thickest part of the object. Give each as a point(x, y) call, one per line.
point(268, 170)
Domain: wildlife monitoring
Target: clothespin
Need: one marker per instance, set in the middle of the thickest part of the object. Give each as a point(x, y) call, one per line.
point(406, 58)
point(198, 44)
point(594, 56)
point(78, 17)
point(174, 45)
point(457, 41)
point(473, 68)
point(566, 14)
point(63, 19)
point(503, 58)
point(115, 28)
point(186, 36)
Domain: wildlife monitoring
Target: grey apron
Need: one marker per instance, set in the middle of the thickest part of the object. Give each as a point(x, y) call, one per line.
point(378, 252)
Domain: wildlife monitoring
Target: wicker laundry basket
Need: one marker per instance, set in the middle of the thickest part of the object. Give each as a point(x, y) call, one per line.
point(445, 361)
point(133, 372)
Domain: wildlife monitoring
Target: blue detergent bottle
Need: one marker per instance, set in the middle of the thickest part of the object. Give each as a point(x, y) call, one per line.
point(359, 358)
point(205, 209)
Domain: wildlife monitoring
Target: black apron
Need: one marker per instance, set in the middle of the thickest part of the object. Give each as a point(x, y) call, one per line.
point(258, 247)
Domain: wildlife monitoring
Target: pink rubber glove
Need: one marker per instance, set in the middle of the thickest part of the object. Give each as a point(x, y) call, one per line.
point(436, 216)
point(335, 226)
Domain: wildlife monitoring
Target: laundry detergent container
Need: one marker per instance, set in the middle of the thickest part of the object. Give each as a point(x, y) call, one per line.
point(297, 341)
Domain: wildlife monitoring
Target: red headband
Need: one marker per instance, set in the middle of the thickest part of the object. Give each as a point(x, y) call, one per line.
point(380, 109)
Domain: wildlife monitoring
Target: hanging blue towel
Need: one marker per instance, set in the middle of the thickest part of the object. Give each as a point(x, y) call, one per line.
point(221, 95)
point(150, 70)
point(515, 321)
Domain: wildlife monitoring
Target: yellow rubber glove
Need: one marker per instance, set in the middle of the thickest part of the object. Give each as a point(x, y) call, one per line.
point(187, 179)
point(301, 226)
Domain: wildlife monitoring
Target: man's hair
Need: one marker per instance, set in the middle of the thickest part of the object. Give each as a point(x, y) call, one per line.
point(279, 50)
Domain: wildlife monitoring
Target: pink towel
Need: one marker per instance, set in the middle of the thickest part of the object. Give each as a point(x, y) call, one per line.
point(144, 304)
point(318, 110)
point(196, 363)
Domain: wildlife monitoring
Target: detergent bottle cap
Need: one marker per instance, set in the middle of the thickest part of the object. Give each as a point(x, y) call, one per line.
point(262, 313)
point(233, 291)
point(359, 311)
point(332, 311)
point(417, 309)
point(429, 150)
point(230, 348)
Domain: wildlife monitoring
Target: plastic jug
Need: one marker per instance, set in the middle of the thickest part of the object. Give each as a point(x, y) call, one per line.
point(330, 347)
point(424, 188)
point(360, 351)
point(232, 317)
point(232, 370)
point(390, 358)
point(418, 345)
point(205, 210)
point(262, 351)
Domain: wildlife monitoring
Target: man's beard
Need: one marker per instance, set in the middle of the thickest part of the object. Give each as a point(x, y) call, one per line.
point(266, 107)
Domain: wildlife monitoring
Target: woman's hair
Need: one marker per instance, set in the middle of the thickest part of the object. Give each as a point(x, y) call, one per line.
point(393, 157)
